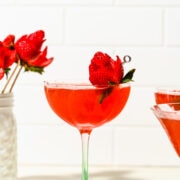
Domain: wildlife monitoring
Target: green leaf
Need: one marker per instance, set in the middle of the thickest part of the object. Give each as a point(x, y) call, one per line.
point(6, 70)
point(105, 94)
point(128, 77)
point(39, 70)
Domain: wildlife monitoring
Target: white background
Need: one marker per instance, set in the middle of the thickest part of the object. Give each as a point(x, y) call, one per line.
point(147, 30)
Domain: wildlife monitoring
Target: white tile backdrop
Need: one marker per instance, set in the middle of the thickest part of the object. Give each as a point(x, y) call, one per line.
point(148, 30)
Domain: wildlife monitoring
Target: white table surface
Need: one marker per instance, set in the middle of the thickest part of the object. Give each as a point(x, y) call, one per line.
point(100, 173)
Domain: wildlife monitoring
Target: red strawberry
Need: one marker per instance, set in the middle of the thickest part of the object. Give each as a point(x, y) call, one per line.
point(29, 46)
point(103, 70)
point(9, 41)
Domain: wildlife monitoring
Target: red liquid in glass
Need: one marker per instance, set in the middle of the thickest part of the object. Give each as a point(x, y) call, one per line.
point(81, 107)
point(167, 97)
point(172, 128)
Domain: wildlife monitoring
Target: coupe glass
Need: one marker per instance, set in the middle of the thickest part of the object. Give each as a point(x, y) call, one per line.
point(86, 107)
point(169, 117)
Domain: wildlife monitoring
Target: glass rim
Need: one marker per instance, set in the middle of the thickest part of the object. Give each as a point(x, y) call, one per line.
point(167, 90)
point(81, 85)
point(156, 107)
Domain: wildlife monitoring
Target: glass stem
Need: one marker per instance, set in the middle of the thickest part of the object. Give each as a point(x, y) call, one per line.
point(85, 148)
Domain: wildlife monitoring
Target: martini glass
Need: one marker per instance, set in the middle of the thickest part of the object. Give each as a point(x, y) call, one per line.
point(86, 107)
point(167, 95)
point(169, 116)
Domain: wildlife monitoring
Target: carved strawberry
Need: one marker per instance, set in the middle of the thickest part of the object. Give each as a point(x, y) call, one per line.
point(29, 50)
point(104, 70)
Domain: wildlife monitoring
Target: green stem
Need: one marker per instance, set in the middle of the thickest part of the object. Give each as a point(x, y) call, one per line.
point(85, 148)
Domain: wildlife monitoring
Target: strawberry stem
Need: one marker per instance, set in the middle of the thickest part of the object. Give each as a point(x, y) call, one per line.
point(9, 79)
point(15, 79)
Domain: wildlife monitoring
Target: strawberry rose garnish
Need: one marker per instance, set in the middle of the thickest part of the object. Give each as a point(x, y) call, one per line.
point(104, 71)
point(29, 50)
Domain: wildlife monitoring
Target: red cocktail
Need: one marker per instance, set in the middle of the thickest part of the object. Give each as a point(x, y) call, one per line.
point(169, 117)
point(86, 107)
point(167, 95)
point(80, 104)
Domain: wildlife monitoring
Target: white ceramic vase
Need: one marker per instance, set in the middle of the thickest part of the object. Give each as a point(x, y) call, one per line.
point(8, 139)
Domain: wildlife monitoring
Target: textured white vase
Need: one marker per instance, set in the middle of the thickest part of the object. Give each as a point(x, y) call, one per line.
point(8, 139)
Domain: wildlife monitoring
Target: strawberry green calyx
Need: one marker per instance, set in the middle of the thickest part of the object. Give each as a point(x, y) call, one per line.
point(128, 77)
